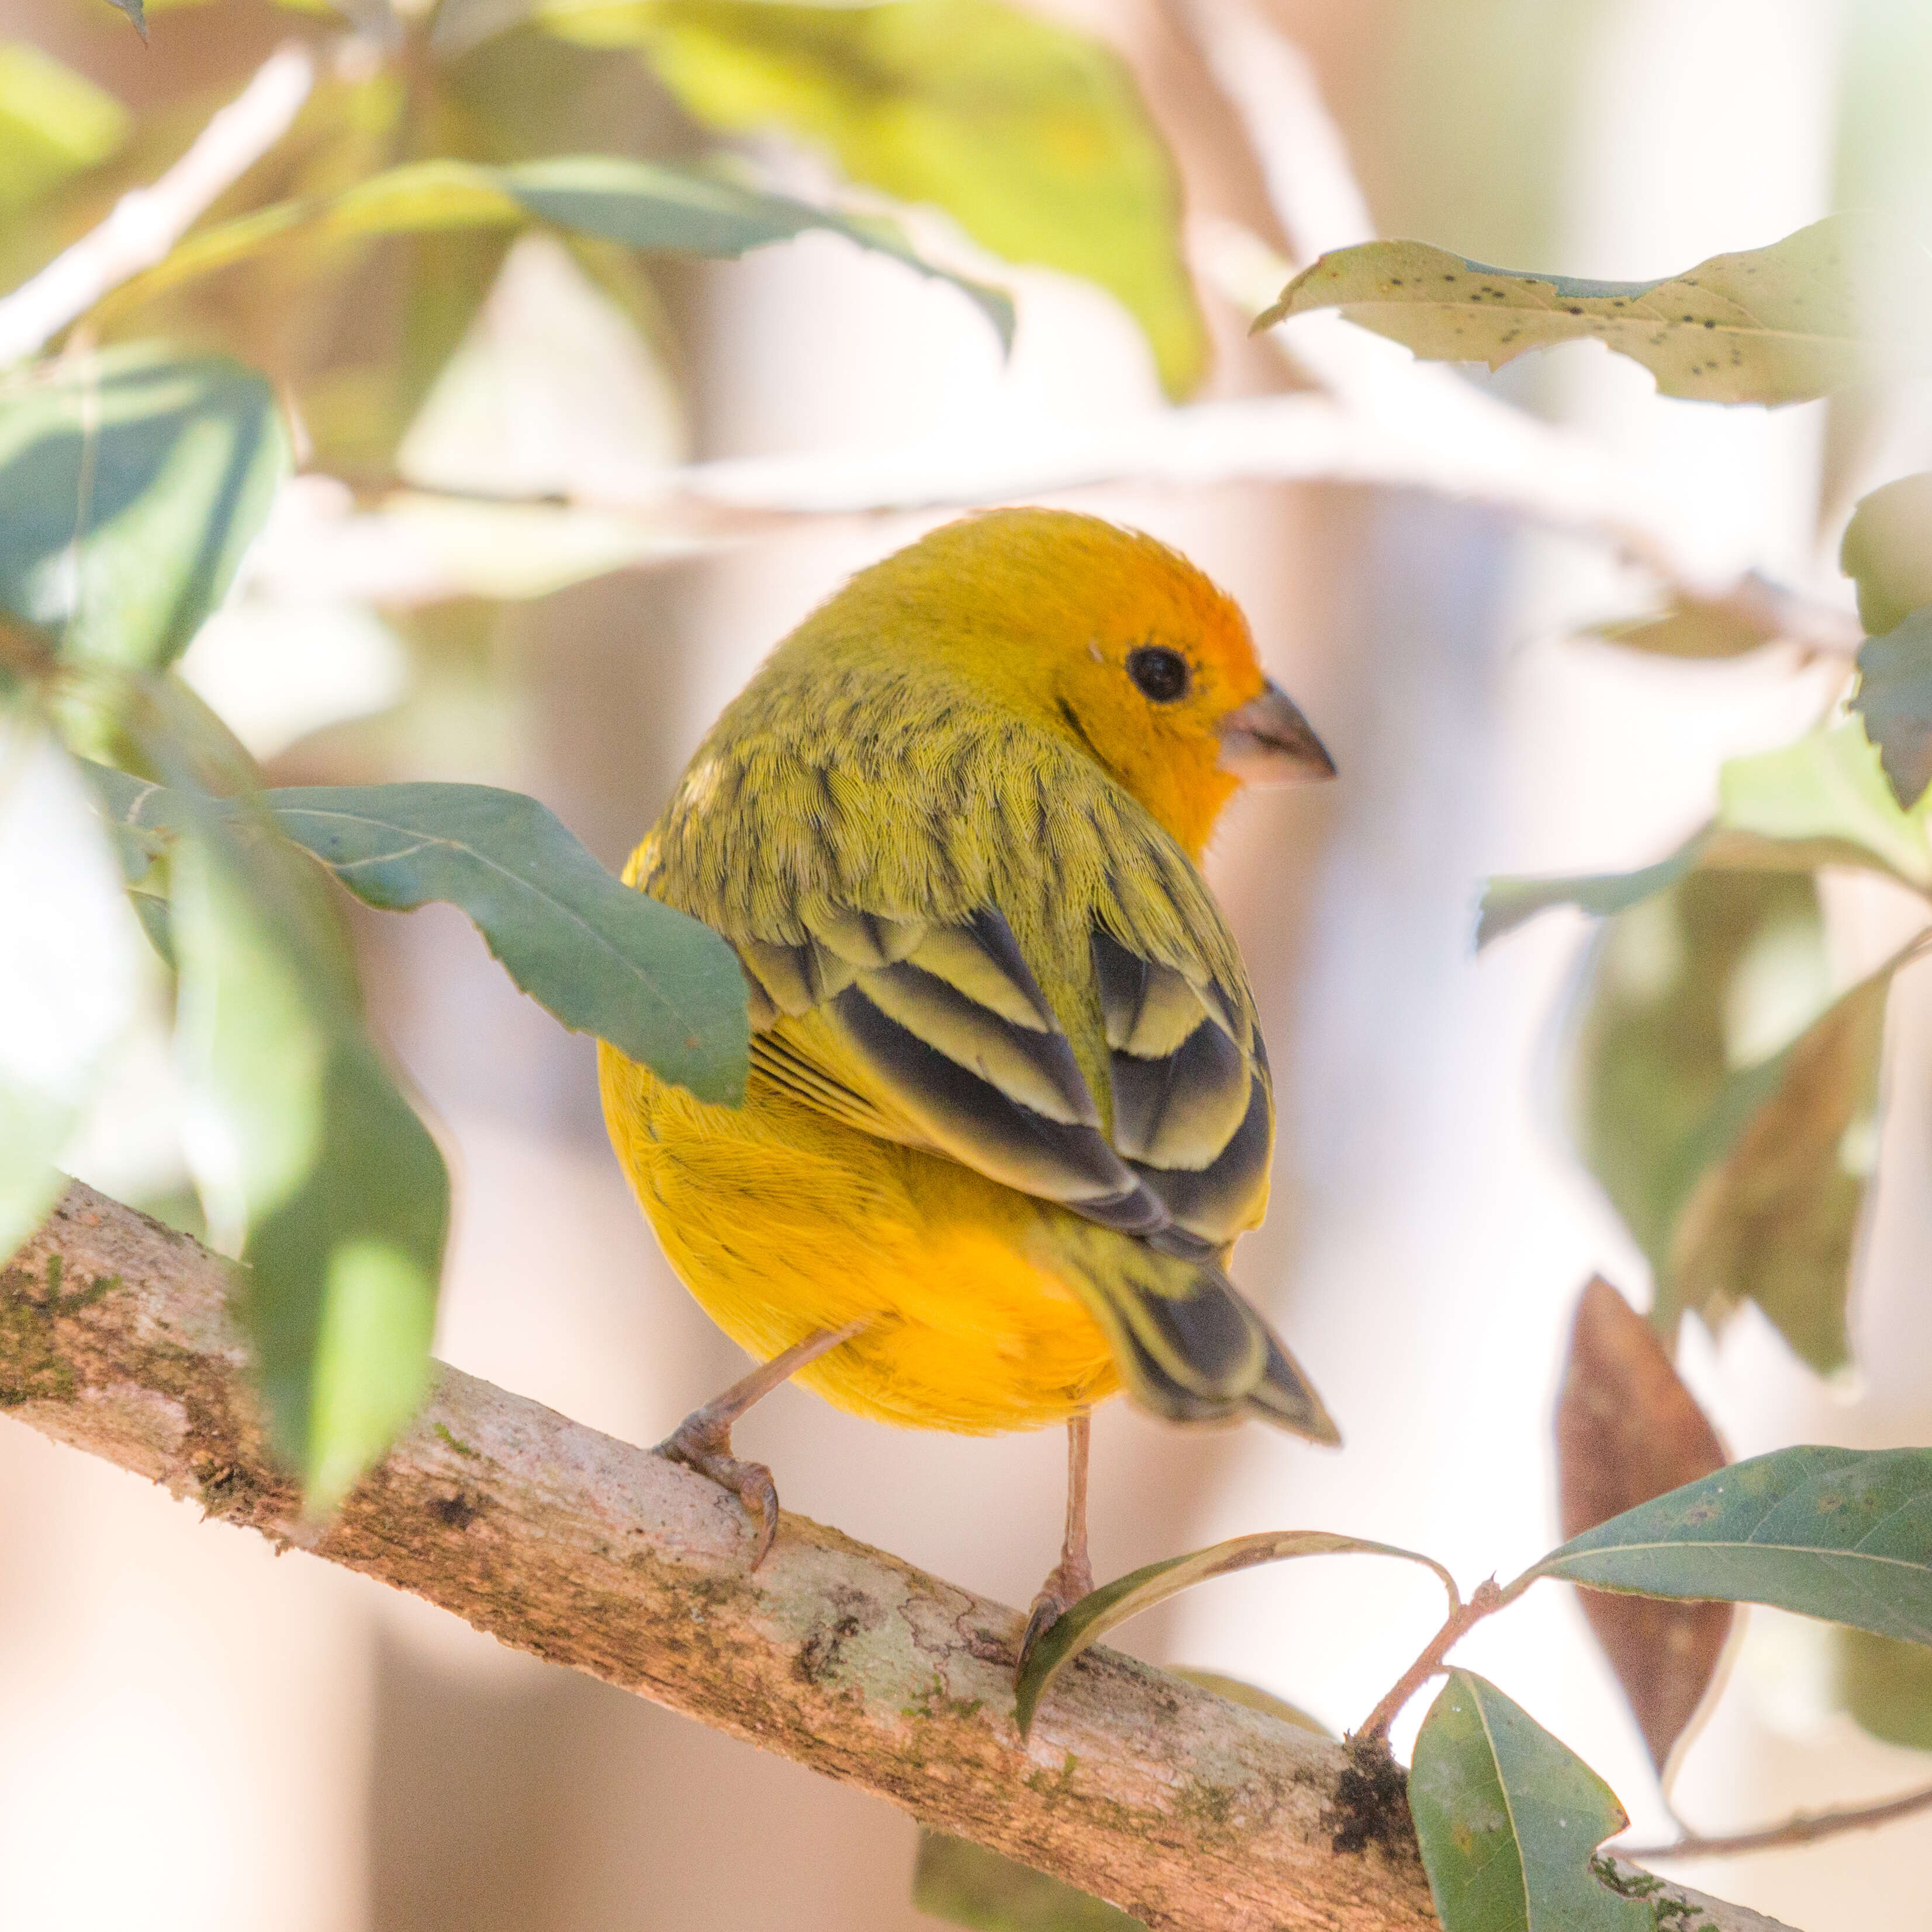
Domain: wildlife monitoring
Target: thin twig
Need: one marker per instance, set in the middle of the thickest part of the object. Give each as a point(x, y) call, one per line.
point(1804, 1829)
point(147, 222)
point(1485, 1601)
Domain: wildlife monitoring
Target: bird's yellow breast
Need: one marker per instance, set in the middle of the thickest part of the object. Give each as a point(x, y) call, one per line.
point(782, 1221)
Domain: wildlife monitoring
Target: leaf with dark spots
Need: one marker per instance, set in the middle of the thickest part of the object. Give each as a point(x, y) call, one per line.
point(1509, 1820)
point(1833, 305)
point(1843, 1535)
point(1628, 1430)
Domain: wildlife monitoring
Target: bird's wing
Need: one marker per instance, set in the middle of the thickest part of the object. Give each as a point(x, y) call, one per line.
point(937, 1033)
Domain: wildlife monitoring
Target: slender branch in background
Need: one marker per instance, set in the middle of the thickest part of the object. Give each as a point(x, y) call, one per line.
point(1804, 1829)
point(1187, 1810)
point(147, 222)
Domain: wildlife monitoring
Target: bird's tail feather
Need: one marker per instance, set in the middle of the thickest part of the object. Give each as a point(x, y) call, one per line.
point(1189, 1348)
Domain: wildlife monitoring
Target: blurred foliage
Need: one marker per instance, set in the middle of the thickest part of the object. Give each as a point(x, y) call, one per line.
point(1885, 1684)
point(54, 124)
point(967, 1884)
point(133, 481)
point(1032, 137)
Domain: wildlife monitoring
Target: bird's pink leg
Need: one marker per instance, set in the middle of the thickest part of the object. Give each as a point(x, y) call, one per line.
point(1072, 1577)
point(703, 1440)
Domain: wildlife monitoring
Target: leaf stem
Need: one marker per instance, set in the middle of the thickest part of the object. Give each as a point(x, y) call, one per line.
point(1487, 1599)
point(1803, 1829)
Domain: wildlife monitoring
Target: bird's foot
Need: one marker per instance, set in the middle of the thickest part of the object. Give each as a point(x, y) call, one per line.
point(700, 1443)
point(1071, 1579)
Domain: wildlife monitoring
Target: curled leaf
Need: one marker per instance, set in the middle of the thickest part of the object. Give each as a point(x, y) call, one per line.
point(1113, 1604)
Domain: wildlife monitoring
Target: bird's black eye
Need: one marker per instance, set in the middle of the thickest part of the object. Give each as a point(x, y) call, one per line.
point(1159, 673)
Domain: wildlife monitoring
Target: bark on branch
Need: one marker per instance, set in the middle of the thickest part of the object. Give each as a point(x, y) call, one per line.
point(1186, 1809)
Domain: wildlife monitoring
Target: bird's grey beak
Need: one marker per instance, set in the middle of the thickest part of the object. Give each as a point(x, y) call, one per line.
point(1268, 742)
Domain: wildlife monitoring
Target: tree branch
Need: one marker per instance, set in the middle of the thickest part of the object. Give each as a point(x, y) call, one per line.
point(1807, 1828)
point(147, 222)
point(1188, 1810)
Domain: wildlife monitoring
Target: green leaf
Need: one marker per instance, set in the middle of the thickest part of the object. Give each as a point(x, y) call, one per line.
point(641, 204)
point(1249, 1696)
point(1888, 550)
point(967, 1884)
point(1774, 1216)
point(1508, 902)
point(1693, 627)
point(1894, 699)
point(1845, 1535)
point(1033, 137)
point(310, 1164)
point(1509, 1820)
point(131, 482)
point(603, 958)
point(1840, 303)
point(70, 972)
point(1113, 1604)
point(1829, 785)
point(54, 124)
point(1885, 1685)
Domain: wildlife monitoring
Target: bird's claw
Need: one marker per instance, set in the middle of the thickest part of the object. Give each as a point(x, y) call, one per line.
point(709, 1452)
point(1069, 1581)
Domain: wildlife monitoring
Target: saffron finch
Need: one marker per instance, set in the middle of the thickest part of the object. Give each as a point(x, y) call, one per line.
point(1009, 1106)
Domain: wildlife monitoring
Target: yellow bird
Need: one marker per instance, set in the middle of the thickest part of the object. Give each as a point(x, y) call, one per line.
point(1009, 1106)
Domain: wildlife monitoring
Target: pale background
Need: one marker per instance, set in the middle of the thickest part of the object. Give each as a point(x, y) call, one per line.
point(196, 1734)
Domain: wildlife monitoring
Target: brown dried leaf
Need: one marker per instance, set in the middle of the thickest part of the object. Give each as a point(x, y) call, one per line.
point(1627, 1431)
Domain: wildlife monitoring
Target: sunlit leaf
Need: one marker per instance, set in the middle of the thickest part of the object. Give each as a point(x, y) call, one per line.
point(1845, 1535)
point(1032, 136)
point(1842, 302)
point(1885, 1685)
point(1888, 550)
point(1113, 1604)
point(311, 1166)
point(1894, 699)
point(604, 959)
point(966, 1884)
point(1628, 1430)
point(131, 482)
point(1509, 1820)
point(641, 204)
point(69, 968)
point(1830, 784)
point(54, 123)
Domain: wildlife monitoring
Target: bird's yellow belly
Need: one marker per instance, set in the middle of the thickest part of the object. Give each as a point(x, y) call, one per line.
point(782, 1223)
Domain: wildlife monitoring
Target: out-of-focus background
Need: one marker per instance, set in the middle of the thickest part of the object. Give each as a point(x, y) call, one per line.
point(197, 1734)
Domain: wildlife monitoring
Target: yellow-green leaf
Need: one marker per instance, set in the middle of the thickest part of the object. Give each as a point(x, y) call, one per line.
point(54, 124)
point(1033, 137)
point(970, 1885)
point(1842, 302)
point(1888, 550)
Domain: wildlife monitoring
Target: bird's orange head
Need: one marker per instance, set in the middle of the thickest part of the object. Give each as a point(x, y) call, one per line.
point(1104, 637)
